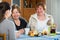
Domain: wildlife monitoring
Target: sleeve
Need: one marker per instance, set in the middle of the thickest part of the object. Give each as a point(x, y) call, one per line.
point(32, 23)
point(23, 23)
point(11, 32)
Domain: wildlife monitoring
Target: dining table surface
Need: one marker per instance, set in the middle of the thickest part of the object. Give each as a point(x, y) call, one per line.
point(44, 37)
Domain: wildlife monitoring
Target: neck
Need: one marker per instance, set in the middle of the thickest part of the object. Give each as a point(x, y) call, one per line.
point(16, 19)
point(43, 15)
point(17, 22)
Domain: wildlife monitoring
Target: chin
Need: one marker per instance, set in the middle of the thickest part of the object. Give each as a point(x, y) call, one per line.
point(40, 14)
point(16, 18)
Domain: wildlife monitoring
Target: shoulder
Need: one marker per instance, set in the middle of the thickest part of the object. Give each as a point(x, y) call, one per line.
point(34, 15)
point(48, 15)
point(10, 25)
point(22, 19)
point(33, 18)
point(8, 22)
point(11, 19)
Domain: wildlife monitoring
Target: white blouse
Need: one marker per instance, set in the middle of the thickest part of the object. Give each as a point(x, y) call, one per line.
point(42, 25)
point(39, 25)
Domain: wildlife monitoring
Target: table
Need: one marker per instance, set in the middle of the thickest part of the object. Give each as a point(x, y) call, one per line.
point(45, 37)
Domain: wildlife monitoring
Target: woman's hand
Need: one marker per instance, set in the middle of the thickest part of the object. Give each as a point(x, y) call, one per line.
point(17, 34)
point(21, 31)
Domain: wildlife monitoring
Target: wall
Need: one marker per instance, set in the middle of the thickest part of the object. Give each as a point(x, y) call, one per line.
point(16, 2)
point(53, 8)
point(0, 0)
point(58, 13)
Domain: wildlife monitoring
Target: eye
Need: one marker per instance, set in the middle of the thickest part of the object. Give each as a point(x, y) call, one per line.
point(17, 12)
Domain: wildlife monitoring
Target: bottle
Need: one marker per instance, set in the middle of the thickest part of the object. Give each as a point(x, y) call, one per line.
point(53, 29)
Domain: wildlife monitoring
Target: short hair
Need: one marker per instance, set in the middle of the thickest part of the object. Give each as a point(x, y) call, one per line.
point(41, 4)
point(4, 6)
point(16, 7)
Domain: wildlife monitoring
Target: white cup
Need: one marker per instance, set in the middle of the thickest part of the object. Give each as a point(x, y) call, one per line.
point(27, 30)
point(16, 31)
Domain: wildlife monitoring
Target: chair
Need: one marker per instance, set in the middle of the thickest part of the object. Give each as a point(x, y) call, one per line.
point(3, 36)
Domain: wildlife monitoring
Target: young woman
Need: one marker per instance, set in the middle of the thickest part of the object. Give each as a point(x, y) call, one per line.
point(6, 26)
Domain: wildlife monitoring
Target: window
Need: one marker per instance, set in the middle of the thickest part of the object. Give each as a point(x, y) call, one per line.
point(16, 2)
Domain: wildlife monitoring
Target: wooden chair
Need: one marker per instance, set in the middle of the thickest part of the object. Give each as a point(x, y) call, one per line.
point(3, 36)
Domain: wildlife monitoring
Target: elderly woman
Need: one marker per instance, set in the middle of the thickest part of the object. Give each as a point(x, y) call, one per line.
point(39, 20)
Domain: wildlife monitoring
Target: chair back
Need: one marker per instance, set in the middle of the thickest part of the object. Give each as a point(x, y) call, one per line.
point(3, 36)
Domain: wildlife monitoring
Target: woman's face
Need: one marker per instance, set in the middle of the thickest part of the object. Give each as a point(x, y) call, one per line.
point(15, 14)
point(40, 10)
point(7, 13)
